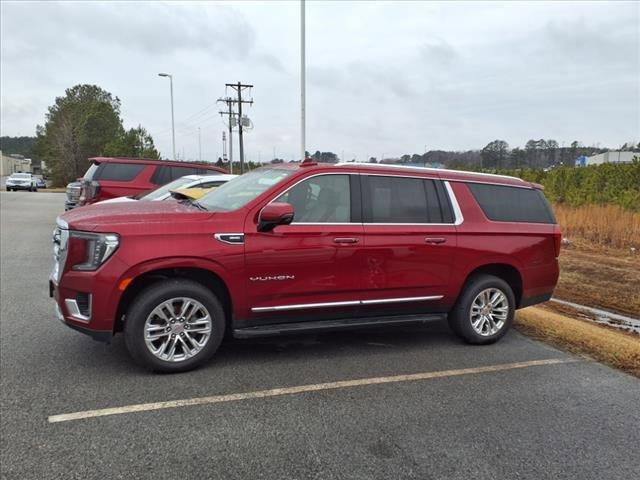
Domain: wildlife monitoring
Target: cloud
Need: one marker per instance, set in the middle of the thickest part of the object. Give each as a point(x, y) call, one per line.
point(438, 53)
point(150, 28)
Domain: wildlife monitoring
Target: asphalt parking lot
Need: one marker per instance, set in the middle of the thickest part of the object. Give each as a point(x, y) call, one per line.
point(540, 413)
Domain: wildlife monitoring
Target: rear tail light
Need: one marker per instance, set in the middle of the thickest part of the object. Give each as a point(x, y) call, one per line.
point(557, 239)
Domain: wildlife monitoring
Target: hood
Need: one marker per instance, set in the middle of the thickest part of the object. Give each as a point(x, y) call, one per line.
point(104, 216)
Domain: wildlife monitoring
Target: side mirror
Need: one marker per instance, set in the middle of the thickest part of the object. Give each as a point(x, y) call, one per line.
point(274, 214)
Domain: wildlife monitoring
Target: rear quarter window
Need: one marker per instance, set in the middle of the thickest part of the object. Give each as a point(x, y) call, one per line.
point(120, 172)
point(512, 204)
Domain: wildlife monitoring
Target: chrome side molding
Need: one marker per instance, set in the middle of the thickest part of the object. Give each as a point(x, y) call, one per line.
point(349, 303)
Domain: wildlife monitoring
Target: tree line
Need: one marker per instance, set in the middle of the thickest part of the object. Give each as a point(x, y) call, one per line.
point(607, 183)
point(85, 122)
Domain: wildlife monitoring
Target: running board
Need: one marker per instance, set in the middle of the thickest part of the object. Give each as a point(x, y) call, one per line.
point(330, 325)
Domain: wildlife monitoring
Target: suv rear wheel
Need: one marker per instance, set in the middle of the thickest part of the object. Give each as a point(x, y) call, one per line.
point(484, 312)
point(174, 326)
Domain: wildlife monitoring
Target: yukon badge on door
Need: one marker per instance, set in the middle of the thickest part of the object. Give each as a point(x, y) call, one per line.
point(270, 278)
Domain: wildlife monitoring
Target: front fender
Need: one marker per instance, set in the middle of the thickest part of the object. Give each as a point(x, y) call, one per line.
point(233, 282)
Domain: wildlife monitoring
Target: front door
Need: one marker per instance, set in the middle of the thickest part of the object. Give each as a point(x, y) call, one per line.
point(311, 268)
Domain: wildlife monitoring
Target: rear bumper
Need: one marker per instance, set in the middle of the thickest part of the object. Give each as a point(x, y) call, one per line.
point(528, 301)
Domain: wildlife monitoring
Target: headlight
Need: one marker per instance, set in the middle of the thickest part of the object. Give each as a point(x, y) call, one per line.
point(87, 251)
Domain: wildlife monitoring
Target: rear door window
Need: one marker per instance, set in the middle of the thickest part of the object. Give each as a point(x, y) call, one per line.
point(394, 199)
point(512, 204)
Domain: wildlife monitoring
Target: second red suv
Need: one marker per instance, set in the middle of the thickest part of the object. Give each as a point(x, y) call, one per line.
point(121, 177)
point(306, 248)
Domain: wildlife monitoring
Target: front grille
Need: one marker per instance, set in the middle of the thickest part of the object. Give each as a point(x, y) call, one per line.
point(73, 193)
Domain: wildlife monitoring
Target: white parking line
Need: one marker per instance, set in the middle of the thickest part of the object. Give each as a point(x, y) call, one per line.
point(276, 392)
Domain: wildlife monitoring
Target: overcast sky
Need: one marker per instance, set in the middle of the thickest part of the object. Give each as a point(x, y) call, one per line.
point(382, 78)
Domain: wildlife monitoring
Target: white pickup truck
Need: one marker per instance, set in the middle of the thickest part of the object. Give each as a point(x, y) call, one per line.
point(21, 181)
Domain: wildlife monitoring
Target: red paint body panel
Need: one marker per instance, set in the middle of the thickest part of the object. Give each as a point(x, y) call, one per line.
point(528, 247)
point(400, 263)
point(302, 264)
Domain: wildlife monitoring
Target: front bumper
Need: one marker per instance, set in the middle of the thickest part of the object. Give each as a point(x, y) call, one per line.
point(100, 319)
point(104, 336)
point(18, 187)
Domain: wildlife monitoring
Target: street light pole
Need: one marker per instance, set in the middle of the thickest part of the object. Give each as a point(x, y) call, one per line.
point(303, 126)
point(173, 127)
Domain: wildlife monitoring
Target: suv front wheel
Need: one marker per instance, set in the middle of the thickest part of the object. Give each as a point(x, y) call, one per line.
point(174, 326)
point(484, 312)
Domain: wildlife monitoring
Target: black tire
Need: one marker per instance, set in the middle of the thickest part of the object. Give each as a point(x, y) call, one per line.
point(147, 300)
point(460, 315)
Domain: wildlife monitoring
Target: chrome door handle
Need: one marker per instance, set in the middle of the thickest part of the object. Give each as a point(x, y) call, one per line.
point(435, 240)
point(345, 240)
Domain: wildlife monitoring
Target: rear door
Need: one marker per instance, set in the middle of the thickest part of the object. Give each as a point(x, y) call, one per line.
point(410, 243)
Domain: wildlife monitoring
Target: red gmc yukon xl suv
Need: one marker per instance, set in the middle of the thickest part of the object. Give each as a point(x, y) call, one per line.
point(109, 177)
point(306, 248)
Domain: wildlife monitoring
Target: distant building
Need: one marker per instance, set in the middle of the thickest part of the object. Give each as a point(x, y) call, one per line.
point(13, 163)
point(610, 157)
point(581, 161)
point(419, 164)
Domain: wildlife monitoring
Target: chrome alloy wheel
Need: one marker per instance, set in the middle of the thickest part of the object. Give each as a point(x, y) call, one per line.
point(489, 312)
point(177, 329)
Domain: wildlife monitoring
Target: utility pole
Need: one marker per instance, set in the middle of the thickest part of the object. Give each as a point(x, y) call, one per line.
point(231, 114)
point(303, 126)
point(224, 146)
point(199, 146)
point(239, 87)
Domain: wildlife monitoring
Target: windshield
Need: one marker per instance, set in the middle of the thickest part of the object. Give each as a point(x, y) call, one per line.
point(159, 192)
point(88, 176)
point(240, 191)
point(21, 175)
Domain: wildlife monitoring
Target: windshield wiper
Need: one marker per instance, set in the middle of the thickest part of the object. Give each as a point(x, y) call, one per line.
point(196, 204)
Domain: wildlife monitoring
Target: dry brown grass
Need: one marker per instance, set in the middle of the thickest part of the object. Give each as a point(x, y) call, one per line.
point(603, 278)
point(53, 190)
point(618, 349)
point(601, 225)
